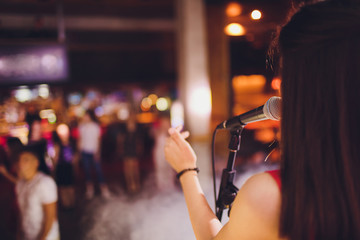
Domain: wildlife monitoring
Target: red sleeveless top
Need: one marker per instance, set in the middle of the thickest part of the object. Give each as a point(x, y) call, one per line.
point(276, 175)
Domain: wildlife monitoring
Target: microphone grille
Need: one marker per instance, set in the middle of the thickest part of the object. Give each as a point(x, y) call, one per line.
point(272, 108)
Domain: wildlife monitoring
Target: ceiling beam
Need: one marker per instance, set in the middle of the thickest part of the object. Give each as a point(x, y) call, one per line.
point(87, 23)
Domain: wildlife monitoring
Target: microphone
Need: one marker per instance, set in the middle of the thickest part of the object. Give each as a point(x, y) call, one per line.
point(270, 110)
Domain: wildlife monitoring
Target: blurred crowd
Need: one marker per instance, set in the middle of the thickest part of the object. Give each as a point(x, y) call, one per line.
point(43, 172)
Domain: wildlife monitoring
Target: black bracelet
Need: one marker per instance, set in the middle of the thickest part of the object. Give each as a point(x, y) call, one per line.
point(186, 170)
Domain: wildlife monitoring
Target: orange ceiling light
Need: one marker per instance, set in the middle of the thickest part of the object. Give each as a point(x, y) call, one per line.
point(248, 83)
point(233, 9)
point(235, 29)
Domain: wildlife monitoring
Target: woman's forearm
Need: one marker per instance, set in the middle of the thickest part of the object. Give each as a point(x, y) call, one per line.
point(204, 222)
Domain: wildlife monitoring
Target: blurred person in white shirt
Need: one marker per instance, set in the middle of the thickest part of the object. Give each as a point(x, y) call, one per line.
point(89, 147)
point(37, 199)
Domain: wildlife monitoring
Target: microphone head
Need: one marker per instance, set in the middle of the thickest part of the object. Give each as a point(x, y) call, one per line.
point(272, 108)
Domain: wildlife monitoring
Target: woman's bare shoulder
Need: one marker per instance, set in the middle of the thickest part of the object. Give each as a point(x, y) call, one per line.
point(255, 212)
point(262, 193)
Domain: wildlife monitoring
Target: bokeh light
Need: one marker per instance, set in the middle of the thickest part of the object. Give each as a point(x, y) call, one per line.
point(43, 91)
point(162, 104)
point(249, 83)
point(153, 97)
point(146, 104)
point(52, 118)
point(99, 111)
point(44, 114)
point(256, 15)
point(74, 98)
point(235, 29)
point(123, 113)
point(62, 130)
point(233, 9)
point(276, 83)
point(23, 94)
point(200, 101)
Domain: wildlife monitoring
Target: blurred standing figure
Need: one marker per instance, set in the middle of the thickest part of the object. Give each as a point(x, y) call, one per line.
point(37, 198)
point(89, 147)
point(32, 114)
point(9, 212)
point(132, 148)
point(38, 144)
point(63, 159)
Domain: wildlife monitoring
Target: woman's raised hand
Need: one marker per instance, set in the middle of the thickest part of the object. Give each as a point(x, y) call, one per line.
point(178, 152)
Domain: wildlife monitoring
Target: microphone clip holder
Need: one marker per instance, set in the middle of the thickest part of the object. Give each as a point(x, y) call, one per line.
point(228, 190)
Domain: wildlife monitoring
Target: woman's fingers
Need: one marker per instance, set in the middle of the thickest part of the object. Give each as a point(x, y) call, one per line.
point(176, 136)
point(185, 134)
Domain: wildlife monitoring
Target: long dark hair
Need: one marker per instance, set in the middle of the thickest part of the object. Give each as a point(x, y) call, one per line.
point(320, 69)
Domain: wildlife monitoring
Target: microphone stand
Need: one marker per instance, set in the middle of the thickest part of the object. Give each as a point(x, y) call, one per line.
point(228, 190)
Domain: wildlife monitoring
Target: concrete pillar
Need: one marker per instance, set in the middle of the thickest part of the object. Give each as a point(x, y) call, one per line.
point(194, 81)
point(193, 76)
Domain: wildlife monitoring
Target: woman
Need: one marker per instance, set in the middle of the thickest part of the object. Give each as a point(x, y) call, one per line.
point(317, 195)
point(132, 150)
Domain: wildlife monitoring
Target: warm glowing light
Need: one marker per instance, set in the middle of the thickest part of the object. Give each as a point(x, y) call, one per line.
point(23, 94)
point(145, 117)
point(146, 104)
point(162, 104)
point(63, 130)
point(123, 113)
point(276, 83)
point(177, 114)
point(153, 98)
point(21, 131)
point(200, 101)
point(265, 135)
point(44, 114)
point(44, 91)
point(235, 29)
point(79, 111)
point(256, 14)
point(233, 9)
point(249, 83)
point(52, 118)
point(48, 114)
